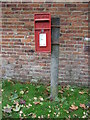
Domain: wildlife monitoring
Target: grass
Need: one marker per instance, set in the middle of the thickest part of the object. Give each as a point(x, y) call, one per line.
point(30, 101)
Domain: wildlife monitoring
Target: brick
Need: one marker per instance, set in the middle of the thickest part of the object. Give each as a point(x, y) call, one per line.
point(28, 8)
point(73, 8)
point(51, 9)
point(82, 5)
point(40, 9)
point(70, 5)
point(33, 5)
point(46, 5)
point(11, 5)
point(58, 5)
point(14, 9)
point(23, 5)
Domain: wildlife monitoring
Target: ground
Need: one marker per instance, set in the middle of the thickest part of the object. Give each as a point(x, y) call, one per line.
point(27, 100)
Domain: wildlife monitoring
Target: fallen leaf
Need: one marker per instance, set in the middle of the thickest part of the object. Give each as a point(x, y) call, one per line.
point(36, 103)
point(21, 112)
point(22, 102)
point(17, 108)
point(46, 92)
point(7, 109)
point(26, 92)
point(22, 106)
point(22, 92)
point(68, 86)
point(58, 113)
point(38, 86)
point(61, 105)
point(66, 111)
point(11, 81)
point(72, 90)
point(74, 115)
point(28, 82)
point(62, 87)
point(41, 99)
point(73, 107)
point(30, 114)
point(82, 106)
point(54, 113)
point(24, 115)
point(49, 111)
point(84, 116)
point(60, 91)
point(29, 105)
point(16, 102)
point(48, 89)
point(42, 116)
point(33, 116)
point(81, 92)
point(1, 90)
point(48, 115)
point(35, 98)
point(49, 106)
point(8, 80)
point(69, 116)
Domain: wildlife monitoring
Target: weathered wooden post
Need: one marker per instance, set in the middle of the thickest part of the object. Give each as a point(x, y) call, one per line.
point(55, 34)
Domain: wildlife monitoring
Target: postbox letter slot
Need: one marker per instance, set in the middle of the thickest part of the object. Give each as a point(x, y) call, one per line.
point(41, 20)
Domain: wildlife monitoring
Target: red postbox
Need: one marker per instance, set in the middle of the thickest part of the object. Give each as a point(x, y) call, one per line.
point(42, 24)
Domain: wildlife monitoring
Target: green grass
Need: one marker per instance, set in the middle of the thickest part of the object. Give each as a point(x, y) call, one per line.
point(45, 108)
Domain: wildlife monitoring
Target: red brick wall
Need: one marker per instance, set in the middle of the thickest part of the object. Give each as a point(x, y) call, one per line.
point(21, 62)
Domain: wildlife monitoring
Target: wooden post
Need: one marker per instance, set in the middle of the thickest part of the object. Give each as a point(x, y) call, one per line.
point(55, 34)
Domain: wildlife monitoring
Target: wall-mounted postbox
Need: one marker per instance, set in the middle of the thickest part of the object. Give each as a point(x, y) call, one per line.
point(42, 24)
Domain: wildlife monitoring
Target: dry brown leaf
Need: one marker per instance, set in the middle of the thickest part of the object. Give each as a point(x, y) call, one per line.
point(73, 107)
point(81, 92)
point(63, 87)
point(33, 116)
point(8, 80)
point(46, 92)
point(41, 99)
point(36, 103)
point(82, 106)
point(61, 91)
point(66, 111)
point(67, 88)
point(69, 116)
point(74, 115)
point(27, 82)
